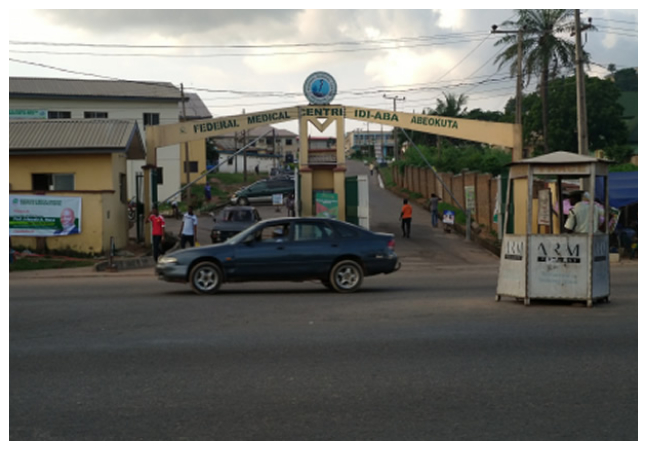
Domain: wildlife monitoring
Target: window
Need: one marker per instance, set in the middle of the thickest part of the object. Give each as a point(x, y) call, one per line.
point(59, 115)
point(193, 166)
point(288, 141)
point(95, 115)
point(52, 181)
point(151, 119)
point(159, 175)
point(311, 231)
point(123, 191)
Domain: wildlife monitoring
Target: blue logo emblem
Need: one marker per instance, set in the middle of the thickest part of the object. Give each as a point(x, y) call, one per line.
point(320, 88)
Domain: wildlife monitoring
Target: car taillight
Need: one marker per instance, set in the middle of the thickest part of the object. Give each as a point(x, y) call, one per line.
point(391, 244)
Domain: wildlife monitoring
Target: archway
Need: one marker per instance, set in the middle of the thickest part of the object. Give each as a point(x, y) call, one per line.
point(328, 174)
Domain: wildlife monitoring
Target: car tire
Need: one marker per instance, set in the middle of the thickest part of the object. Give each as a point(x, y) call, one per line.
point(242, 201)
point(205, 278)
point(346, 276)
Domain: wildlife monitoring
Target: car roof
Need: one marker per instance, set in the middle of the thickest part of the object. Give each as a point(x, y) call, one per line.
point(239, 208)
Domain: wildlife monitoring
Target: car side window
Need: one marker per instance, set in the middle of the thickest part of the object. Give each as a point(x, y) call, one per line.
point(346, 232)
point(311, 232)
point(274, 233)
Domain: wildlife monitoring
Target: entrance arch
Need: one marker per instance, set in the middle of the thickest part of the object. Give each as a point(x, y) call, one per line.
point(326, 173)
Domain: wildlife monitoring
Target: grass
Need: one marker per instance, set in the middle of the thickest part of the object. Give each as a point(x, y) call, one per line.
point(48, 263)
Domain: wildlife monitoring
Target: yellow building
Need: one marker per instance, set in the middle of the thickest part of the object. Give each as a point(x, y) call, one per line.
point(86, 159)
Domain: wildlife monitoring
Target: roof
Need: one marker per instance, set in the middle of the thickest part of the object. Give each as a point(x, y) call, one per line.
point(48, 137)
point(22, 87)
point(559, 158)
point(195, 108)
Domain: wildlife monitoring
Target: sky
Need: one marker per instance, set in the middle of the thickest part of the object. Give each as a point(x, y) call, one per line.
point(254, 60)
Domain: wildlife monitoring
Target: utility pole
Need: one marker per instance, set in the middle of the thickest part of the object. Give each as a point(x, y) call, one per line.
point(396, 150)
point(582, 127)
point(517, 152)
point(187, 165)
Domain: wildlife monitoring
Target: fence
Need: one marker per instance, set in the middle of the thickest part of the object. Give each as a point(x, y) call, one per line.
point(425, 182)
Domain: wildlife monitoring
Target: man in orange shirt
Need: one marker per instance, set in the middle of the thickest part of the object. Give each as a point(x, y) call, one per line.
point(158, 231)
point(405, 217)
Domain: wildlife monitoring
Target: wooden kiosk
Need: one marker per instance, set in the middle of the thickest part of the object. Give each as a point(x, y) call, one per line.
point(554, 265)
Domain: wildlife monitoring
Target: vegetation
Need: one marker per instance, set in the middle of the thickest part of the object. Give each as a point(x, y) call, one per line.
point(546, 49)
point(48, 262)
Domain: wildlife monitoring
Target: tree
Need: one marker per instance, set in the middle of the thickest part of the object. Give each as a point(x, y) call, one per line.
point(604, 115)
point(452, 106)
point(626, 79)
point(546, 50)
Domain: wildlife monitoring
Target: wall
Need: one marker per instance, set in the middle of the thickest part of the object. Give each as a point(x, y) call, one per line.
point(425, 182)
point(97, 183)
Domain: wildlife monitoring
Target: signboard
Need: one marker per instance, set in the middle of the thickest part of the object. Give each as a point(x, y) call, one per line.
point(19, 114)
point(42, 216)
point(277, 199)
point(448, 217)
point(469, 197)
point(543, 212)
point(327, 204)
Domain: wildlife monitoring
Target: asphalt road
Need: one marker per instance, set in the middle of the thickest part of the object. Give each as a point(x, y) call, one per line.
point(422, 354)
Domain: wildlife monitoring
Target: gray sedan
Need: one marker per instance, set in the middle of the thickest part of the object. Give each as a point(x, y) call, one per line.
point(337, 253)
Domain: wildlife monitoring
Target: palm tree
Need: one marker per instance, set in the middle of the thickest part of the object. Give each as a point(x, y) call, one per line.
point(452, 106)
point(546, 49)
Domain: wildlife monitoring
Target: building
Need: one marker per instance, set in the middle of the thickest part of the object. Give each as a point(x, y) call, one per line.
point(82, 159)
point(267, 139)
point(147, 103)
point(369, 142)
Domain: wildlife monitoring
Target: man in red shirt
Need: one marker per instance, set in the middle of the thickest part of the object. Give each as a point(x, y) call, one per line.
point(158, 231)
point(405, 217)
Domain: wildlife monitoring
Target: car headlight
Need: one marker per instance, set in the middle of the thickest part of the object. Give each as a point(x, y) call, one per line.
point(167, 260)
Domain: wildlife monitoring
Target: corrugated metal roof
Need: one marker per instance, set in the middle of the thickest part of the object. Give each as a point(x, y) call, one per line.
point(75, 136)
point(62, 87)
point(195, 108)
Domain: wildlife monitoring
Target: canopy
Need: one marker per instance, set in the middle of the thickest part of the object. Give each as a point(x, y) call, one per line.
point(623, 188)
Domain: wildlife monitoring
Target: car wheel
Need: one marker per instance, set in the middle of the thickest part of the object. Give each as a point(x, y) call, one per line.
point(346, 276)
point(205, 278)
point(243, 201)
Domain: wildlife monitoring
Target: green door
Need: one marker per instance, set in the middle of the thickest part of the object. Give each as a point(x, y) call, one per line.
point(352, 200)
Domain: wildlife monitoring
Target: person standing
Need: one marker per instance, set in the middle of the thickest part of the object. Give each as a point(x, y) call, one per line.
point(207, 192)
point(433, 208)
point(405, 218)
point(371, 168)
point(290, 203)
point(578, 217)
point(189, 229)
point(158, 224)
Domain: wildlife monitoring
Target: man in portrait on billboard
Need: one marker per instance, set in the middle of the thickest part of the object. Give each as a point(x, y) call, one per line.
point(67, 222)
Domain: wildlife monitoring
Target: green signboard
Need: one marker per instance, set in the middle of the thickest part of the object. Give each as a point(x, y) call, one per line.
point(327, 204)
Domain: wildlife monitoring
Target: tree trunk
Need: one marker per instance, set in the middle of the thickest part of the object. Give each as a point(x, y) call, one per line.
point(544, 106)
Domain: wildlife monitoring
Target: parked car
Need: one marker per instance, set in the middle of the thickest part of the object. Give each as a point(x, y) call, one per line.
point(339, 254)
point(231, 220)
point(262, 191)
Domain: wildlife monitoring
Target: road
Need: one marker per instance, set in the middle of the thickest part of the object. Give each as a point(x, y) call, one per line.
point(422, 354)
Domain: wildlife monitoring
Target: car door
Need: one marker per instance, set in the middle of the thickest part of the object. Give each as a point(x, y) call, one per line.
point(266, 256)
point(314, 247)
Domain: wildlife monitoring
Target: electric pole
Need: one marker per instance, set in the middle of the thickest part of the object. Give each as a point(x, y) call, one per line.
point(187, 165)
point(517, 152)
point(582, 127)
point(396, 150)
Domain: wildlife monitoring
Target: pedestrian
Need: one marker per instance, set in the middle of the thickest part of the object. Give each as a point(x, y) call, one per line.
point(578, 217)
point(207, 192)
point(405, 218)
point(189, 229)
point(371, 167)
point(158, 225)
point(289, 203)
point(433, 208)
point(256, 169)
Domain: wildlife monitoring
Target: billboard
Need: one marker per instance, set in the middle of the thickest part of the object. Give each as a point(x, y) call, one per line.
point(42, 216)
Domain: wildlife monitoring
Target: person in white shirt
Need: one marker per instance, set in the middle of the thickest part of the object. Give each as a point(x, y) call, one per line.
point(189, 229)
point(578, 216)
